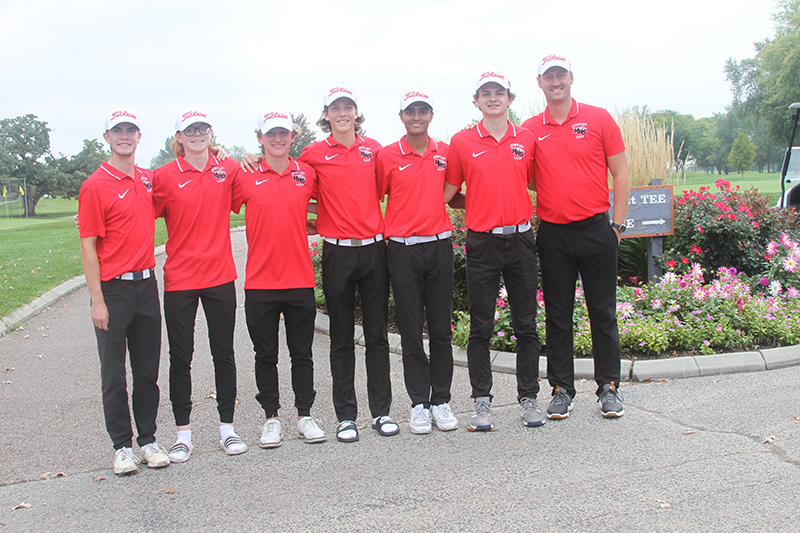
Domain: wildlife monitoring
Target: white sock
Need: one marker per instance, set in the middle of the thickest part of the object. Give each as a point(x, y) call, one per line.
point(225, 430)
point(185, 436)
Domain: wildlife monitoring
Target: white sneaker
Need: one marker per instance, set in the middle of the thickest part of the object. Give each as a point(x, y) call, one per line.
point(155, 455)
point(125, 462)
point(444, 417)
point(420, 421)
point(271, 435)
point(308, 428)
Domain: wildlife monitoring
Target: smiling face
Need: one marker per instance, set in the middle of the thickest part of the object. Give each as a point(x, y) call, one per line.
point(342, 113)
point(493, 100)
point(556, 83)
point(276, 142)
point(123, 138)
point(416, 118)
point(197, 143)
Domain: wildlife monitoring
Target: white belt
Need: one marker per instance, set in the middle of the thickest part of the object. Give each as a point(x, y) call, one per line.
point(417, 239)
point(508, 230)
point(355, 242)
point(136, 276)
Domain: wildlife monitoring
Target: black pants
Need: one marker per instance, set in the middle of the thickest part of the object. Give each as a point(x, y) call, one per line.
point(592, 253)
point(180, 312)
point(263, 310)
point(513, 256)
point(422, 283)
point(134, 318)
point(344, 269)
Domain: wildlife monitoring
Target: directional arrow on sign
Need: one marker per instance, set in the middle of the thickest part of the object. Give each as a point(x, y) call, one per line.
point(659, 222)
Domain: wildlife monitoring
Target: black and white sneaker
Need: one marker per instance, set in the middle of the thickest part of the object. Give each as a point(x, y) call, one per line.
point(560, 405)
point(611, 402)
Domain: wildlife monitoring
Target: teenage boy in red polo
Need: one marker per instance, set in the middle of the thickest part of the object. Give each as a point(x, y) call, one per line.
point(420, 256)
point(193, 194)
point(354, 256)
point(577, 146)
point(116, 230)
point(495, 161)
point(279, 275)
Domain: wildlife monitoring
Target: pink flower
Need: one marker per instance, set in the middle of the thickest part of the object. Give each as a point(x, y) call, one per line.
point(755, 224)
point(699, 228)
point(671, 264)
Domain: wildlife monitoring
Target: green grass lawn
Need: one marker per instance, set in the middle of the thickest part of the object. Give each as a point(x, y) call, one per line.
point(766, 183)
point(41, 252)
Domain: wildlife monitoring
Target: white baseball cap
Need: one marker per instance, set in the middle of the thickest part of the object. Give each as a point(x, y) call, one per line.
point(121, 115)
point(275, 117)
point(554, 61)
point(189, 116)
point(414, 96)
point(492, 76)
point(340, 91)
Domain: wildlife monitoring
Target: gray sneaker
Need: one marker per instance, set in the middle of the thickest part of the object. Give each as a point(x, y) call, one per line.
point(532, 415)
point(482, 415)
point(611, 402)
point(560, 405)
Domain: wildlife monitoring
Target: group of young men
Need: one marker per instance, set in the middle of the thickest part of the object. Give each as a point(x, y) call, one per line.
point(564, 154)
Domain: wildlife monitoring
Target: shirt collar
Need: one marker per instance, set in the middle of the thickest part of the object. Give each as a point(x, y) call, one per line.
point(573, 112)
point(293, 166)
point(511, 132)
point(115, 172)
point(406, 149)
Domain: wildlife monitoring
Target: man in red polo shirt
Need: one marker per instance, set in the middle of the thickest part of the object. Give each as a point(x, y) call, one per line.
point(279, 274)
point(577, 146)
point(420, 256)
point(354, 256)
point(116, 230)
point(193, 194)
point(495, 161)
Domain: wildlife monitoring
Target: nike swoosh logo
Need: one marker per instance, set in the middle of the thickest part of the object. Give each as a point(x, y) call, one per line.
point(262, 181)
point(121, 196)
point(182, 185)
point(545, 137)
point(479, 153)
point(405, 167)
point(329, 157)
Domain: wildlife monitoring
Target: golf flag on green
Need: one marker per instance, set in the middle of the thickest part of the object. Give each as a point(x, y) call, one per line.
point(21, 192)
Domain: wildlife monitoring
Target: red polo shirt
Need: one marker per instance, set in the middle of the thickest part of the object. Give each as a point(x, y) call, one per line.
point(118, 210)
point(277, 243)
point(496, 174)
point(571, 169)
point(415, 184)
point(196, 206)
point(348, 193)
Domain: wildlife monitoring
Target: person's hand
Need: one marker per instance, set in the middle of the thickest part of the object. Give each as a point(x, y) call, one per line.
point(311, 226)
point(220, 152)
point(100, 315)
point(619, 235)
point(469, 126)
point(75, 218)
point(250, 163)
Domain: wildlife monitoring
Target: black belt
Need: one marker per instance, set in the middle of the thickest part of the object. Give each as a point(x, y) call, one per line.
point(589, 222)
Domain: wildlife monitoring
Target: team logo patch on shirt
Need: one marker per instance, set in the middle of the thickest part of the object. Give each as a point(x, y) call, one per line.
point(219, 174)
point(147, 184)
point(440, 161)
point(580, 129)
point(518, 151)
point(299, 177)
point(365, 152)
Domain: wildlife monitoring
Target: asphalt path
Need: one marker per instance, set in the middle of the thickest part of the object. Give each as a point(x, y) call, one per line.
point(715, 453)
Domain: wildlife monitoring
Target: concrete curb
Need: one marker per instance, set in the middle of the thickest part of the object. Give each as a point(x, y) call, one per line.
point(638, 370)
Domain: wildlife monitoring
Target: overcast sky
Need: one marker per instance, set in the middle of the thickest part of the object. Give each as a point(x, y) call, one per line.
point(69, 63)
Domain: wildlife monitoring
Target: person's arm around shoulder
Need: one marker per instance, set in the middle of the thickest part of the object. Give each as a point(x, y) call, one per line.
point(91, 270)
point(618, 166)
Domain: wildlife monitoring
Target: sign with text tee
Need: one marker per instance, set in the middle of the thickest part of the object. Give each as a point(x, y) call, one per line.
point(650, 211)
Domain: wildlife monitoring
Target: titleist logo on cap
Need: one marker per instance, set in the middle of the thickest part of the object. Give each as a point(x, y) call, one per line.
point(491, 74)
point(340, 90)
point(415, 94)
point(553, 58)
point(274, 114)
point(122, 113)
point(190, 114)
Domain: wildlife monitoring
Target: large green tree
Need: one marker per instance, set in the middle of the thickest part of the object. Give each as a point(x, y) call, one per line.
point(24, 147)
point(80, 166)
point(742, 154)
point(164, 156)
point(765, 86)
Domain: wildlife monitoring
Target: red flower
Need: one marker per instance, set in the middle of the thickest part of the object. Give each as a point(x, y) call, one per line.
point(685, 261)
point(671, 264)
point(696, 249)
